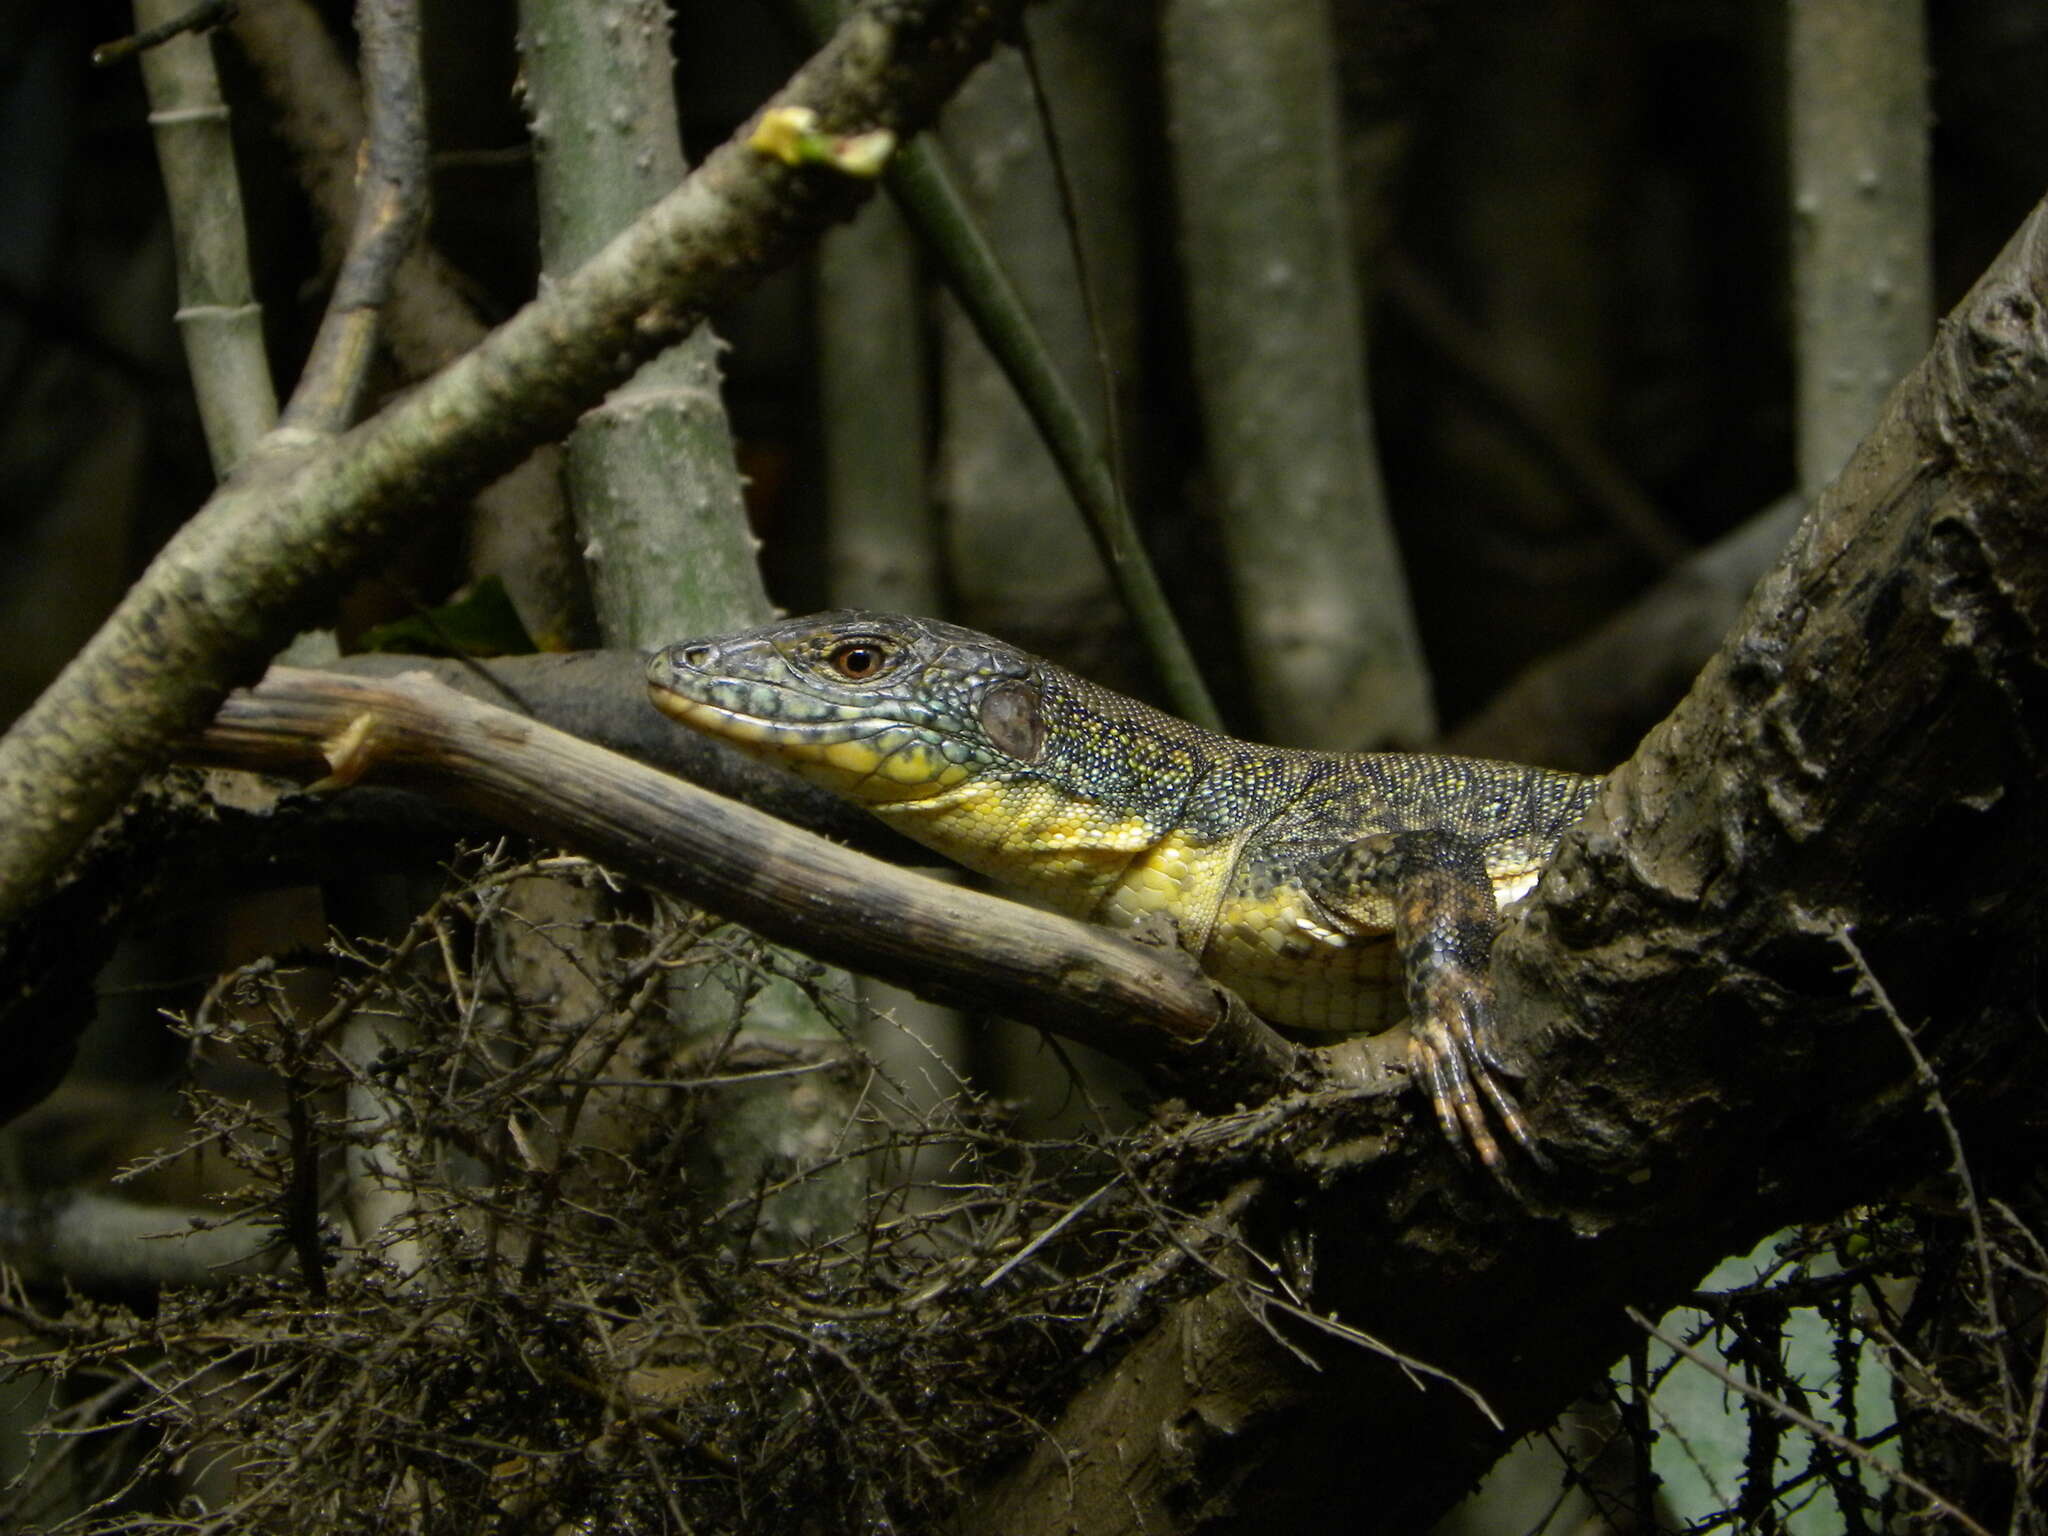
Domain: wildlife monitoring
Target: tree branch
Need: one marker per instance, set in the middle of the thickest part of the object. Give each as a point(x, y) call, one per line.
point(268, 549)
point(1145, 1004)
point(1863, 754)
point(219, 320)
point(391, 208)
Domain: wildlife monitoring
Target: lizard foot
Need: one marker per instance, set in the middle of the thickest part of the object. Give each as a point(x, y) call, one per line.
point(1444, 922)
point(1451, 1050)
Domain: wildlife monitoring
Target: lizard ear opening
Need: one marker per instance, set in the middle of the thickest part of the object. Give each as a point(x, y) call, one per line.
point(1011, 718)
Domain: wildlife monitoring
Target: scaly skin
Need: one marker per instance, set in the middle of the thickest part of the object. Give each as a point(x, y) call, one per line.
point(1314, 884)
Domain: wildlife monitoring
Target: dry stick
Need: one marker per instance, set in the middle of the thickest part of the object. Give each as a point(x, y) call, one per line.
point(1146, 1005)
point(519, 529)
point(1959, 1165)
point(390, 210)
point(1806, 1422)
point(1411, 1366)
point(1589, 471)
point(237, 579)
point(199, 18)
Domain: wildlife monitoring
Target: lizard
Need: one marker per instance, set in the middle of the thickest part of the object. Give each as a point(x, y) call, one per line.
point(1333, 892)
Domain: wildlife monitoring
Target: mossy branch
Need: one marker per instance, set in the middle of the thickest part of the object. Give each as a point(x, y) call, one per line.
point(270, 549)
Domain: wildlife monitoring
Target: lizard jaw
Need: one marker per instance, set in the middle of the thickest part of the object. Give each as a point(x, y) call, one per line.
point(873, 761)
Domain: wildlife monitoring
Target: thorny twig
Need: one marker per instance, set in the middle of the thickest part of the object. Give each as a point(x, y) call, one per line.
point(1807, 1422)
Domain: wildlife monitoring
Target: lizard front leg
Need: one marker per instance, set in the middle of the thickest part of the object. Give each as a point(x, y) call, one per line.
point(1444, 922)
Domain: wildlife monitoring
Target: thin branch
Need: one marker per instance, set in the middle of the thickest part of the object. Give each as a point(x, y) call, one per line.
point(236, 581)
point(390, 210)
point(93, 1240)
point(219, 320)
point(1807, 1422)
point(202, 17)
point(973, 273)
point(520, 528)
point(1146, 1005)
point(934, 208)
point(1959, 1165)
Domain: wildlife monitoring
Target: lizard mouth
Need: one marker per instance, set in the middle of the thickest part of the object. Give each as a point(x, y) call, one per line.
point(740, 726)
point(860, 756)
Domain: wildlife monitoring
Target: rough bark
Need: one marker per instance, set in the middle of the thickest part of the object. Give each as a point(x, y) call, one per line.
point(1862, 759)
point(235, 581)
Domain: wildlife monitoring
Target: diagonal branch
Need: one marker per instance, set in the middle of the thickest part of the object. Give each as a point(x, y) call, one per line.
point(1145, 1004)
point(269, 549)
point(390, 209)
point(1865, 750)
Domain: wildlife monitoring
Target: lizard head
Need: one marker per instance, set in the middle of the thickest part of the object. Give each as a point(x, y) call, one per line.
point(879, 707)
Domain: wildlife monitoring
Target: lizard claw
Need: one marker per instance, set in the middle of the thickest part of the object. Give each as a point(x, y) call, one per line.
point(1451, 1048)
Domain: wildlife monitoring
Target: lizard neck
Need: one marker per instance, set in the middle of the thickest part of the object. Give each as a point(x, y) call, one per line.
point(1115, 782)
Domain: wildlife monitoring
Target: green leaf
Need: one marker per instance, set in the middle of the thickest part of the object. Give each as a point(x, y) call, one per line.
point(483, 623)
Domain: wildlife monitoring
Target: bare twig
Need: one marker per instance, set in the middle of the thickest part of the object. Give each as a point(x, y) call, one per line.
point(203, 17)
point(1807, 1422)
point(520, 529)
point(1588, 469)
point(236, 580)
point(1959, 1165)
point(1146, 1005)
point(390, 209)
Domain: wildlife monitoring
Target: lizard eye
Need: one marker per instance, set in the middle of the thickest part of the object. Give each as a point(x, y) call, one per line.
point(858, 660)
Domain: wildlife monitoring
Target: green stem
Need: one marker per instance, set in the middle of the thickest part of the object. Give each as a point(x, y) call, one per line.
point(935, 211)
point(918, 181)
